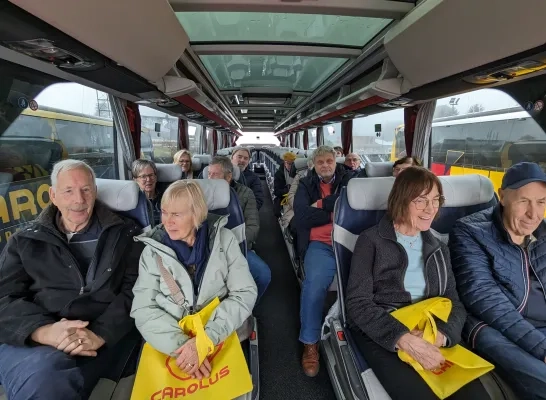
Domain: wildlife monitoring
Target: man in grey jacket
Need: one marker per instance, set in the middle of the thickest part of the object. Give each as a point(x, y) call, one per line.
point(222, 168)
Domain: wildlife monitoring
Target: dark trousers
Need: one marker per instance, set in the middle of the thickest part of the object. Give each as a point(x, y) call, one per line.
point(45, 373)
point(400, 380)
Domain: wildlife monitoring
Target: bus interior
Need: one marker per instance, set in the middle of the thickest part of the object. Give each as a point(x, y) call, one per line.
point(108, 82)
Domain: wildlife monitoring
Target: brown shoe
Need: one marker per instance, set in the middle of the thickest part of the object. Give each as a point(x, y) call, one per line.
point(310, 360)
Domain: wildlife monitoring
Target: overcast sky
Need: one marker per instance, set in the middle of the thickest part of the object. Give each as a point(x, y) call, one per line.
point(78, 98)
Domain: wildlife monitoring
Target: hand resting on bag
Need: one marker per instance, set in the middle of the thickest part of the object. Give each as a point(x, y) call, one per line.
point(424, 353)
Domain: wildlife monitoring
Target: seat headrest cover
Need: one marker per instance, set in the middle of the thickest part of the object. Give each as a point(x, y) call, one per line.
point(467, 190)
point(168, 173)
point(196, 163)
point(459, 191)
point(118, 195)
point(205, 158)
point(369, 193)
point(340, 160)
point(5, 177)
point(300, 163)
point(217, 193)
point(378, 169)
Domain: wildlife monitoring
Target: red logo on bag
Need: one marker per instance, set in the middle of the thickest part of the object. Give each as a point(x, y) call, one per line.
point(445, 366)
point(173, 369)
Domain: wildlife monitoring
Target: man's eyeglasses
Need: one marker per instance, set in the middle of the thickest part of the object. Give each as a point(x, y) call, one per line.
point(145, 177)
point(422, 204)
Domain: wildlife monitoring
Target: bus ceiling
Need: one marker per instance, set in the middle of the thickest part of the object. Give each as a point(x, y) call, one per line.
point(273, 65)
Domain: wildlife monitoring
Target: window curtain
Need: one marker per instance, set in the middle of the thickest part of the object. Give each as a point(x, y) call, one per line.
point(214, 142)
point(204, 142)
point(234, 141)
point(423, 129)
point(120, 114)
point(320, 136)
point(306, 139)
point(183, 135)
point(297, 140)
point(347, 136)
point(410, 118)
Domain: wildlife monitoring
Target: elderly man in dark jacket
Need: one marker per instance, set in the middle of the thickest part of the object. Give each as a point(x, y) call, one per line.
point(66, 292)
point(222, 168)
point(241, 158)
point(313, 221)
point(499, 261)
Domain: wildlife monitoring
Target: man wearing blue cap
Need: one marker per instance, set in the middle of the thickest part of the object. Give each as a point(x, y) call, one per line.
point(499, 260)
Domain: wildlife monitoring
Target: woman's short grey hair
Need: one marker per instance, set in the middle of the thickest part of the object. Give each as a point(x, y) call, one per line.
point(240, 148)
point(323, 151)
point(224, 162)
point(69, 165)
point(140, 164)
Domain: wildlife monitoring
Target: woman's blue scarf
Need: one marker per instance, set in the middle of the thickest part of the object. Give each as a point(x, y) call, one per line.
point(197, 255)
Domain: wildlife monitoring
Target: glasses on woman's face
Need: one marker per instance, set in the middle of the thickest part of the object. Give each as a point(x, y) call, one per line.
point(422, 203)
point(146, 177)
point(183, 162)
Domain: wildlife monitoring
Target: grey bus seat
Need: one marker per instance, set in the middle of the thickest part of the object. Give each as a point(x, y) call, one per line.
point(236, 173)
point(378, 169)
point(168, 173)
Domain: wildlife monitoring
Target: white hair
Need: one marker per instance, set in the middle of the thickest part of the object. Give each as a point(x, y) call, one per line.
point(69, 165)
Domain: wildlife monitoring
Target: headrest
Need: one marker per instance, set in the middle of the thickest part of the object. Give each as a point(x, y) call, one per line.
point(168, 173)
point(340, 160)
point(205, 158)
point(196, 163)
point(466, 190)
point(378, 169)
point(217, 192)
point(236, 172)
point(369, 194)
point(459, 191)
point(118, 195)
point(300, 163)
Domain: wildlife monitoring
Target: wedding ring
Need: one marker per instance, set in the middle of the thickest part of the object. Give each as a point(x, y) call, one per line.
point(80, 341)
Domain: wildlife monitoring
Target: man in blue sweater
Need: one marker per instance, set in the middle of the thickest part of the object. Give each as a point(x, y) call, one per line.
point(499, 260)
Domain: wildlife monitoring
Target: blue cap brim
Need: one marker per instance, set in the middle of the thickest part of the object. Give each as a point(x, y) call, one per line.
point(517, 185)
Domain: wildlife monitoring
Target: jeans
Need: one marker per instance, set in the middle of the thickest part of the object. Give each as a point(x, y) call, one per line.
point(525, 374)
point(260, 272)
point(45, 373)
point(320, 270)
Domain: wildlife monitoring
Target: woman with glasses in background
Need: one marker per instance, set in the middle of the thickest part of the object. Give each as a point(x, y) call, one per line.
point(395, 264)
point(183, 158)
point(145, 174)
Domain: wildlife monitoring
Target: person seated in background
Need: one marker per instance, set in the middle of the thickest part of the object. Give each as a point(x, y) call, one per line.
point(205, 261)
point(65, 293)
point(288, 213)
point(499, 261)
point(313, 211)
point(396, 263)
point(339, 151)
point(241, 158)
point(403, 163)
point(282, 181)
point(353, 161)
point(222, 168)
point(183, 158)
point(145, 174)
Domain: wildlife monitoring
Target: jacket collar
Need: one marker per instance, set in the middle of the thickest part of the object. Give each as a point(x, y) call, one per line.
point(154, 237)
point(386, 231)
point(539, 233)
point(105, 216)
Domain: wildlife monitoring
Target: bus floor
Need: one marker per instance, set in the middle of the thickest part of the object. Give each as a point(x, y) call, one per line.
point(281, 376)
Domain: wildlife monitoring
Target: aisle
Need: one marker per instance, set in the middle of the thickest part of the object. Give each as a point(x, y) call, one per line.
point(278, 321)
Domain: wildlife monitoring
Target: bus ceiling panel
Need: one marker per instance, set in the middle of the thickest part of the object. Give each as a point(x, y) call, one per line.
point(355, 8)
point(141, 45)
point(441, 38)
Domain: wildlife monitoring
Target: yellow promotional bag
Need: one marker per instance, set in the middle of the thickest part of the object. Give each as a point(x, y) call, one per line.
point(158, 377)
point(461, 366)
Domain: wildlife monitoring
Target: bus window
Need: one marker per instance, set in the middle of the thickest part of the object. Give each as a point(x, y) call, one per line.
point(194, 132)
point(165, 142)
point(484, 132)
point(332, 134)
point(389, 144)
point(80, 119)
